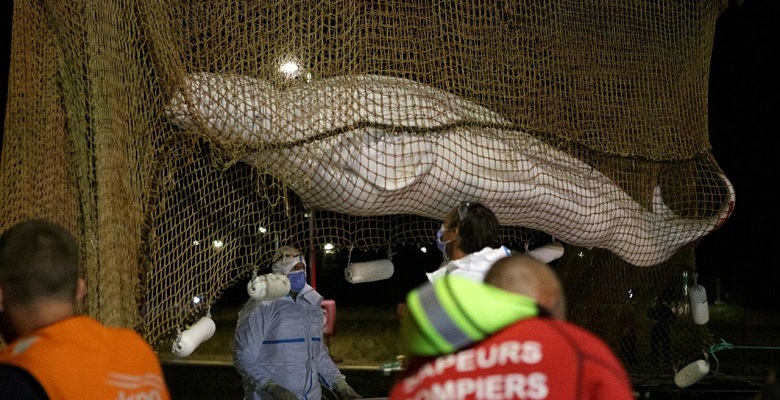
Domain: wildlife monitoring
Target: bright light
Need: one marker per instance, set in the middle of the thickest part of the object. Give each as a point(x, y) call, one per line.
point(262, 229)
point(424, 249)
point(218, 243)
point(195, 242)
point(290, 69)
point(328, 248)
point(196, 300)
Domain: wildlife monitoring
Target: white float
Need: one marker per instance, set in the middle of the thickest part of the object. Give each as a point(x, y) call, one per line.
point(369, 271)
point(268, 287)
point(188, 340)
point(691, 373)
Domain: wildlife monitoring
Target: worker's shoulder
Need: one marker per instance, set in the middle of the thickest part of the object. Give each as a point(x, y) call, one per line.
point(125, 338)
point(573, 335)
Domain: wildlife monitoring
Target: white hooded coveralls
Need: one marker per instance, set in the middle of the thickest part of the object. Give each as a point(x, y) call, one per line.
point(473, 266)
point(281, 340)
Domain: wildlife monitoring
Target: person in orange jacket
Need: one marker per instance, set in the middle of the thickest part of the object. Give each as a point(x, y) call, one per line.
point(51, 352)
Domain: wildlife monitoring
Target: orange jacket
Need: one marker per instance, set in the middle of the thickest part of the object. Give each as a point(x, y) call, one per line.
point(78, 358)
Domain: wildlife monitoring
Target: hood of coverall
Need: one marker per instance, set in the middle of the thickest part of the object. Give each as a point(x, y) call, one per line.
point(285, 259)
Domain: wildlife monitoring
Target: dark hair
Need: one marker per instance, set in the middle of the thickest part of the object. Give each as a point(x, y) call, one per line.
point(38, 259)
point(477, 226)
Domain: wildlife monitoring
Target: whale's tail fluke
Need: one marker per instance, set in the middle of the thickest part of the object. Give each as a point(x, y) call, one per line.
point(728, 207)
point(684, 231)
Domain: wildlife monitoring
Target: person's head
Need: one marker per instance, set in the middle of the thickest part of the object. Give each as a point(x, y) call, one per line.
point(39, 277)
point(525, 275)
point(469, 228)
point(290, 262)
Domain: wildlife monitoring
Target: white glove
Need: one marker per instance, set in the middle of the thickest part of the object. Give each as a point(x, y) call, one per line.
point(279, 392)
point(344, 390)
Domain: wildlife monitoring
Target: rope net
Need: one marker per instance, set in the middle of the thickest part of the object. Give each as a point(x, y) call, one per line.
point(153, 128)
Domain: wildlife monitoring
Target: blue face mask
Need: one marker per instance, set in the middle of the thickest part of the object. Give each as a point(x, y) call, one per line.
point(439, 244)
point(297, 280)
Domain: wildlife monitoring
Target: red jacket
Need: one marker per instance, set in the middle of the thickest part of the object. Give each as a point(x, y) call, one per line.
point(536, 358)
point(78, 358)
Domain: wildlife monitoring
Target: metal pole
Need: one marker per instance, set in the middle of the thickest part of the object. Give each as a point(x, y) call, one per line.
point(312, 253)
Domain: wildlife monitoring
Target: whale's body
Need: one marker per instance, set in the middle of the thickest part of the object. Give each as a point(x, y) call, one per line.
point(373, 145)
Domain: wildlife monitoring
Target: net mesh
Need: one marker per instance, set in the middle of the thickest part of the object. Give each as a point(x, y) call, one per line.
point(152, 128)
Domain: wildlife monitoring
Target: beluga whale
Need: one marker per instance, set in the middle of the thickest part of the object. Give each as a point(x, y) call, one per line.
point(370, 145)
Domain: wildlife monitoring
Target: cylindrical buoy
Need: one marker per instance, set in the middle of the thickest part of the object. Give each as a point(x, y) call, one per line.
point(691, 373)
point(700, 309)
point(369, 271)
point(547, 253)
point(187, 341)
point(268, 287)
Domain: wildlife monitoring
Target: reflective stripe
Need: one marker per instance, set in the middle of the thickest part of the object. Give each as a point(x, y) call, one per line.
point(440, 320)
point(454, 312)
point(462, 312)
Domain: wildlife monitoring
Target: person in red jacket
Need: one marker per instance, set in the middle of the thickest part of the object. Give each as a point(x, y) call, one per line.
point(503, 339)
point(51, 352)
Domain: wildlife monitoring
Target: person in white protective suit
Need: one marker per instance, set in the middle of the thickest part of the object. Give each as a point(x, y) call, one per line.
point(466, 238)
point(278, 348)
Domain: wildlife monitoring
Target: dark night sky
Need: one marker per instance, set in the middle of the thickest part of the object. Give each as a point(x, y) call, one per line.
point(744, 101)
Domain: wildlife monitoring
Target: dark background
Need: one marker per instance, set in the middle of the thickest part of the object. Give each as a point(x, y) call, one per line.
point(743, 107)
point(744, 101)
